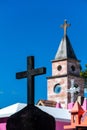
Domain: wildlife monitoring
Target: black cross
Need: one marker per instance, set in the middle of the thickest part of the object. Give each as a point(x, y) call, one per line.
point(29, 74)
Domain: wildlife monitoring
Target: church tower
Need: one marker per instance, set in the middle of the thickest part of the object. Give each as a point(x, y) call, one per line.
point(65, 67)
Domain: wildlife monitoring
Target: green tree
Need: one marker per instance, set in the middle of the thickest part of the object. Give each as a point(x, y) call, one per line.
point(83, 74)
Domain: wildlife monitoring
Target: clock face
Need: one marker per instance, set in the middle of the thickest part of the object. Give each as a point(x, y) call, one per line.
point(57, 88)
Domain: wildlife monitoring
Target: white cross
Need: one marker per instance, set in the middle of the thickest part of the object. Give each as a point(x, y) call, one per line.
point(72, 90)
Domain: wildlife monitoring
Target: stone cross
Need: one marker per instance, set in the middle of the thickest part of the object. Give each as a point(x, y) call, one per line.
point(29, 74)
point(65, 26)
point(72, 90)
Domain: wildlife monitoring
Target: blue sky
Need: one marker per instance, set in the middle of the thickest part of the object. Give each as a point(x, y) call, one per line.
point(32, 28)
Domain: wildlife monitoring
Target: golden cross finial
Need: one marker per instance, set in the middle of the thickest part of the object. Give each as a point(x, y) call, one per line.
point(64, 26)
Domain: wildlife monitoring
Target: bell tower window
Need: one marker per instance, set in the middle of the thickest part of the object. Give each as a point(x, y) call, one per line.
point(73, 68)
point(59, 67)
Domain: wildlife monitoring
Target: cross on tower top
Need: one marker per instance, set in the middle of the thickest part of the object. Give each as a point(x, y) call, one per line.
point(65, 26)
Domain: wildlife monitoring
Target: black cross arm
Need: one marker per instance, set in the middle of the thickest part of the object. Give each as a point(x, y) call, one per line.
point(38, 71)
point(20, 75)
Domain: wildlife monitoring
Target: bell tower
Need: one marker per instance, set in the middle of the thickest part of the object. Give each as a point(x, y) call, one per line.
point(65, 66)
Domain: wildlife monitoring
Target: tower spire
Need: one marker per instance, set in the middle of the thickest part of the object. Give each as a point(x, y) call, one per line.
point(65, 26)
point(65, 50)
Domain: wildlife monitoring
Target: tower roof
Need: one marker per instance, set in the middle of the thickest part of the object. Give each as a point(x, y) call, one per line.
point(65, 50)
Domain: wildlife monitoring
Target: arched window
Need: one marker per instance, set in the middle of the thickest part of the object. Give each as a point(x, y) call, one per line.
point(73, 68)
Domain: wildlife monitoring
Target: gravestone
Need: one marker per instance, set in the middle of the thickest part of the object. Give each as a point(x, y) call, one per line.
point(30, 117)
